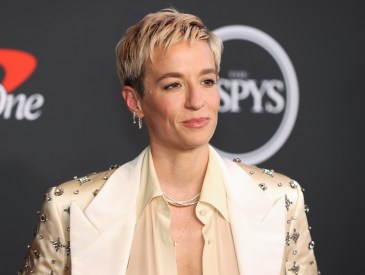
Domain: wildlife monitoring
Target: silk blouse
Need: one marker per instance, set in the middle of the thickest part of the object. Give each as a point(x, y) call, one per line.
point(153, 251)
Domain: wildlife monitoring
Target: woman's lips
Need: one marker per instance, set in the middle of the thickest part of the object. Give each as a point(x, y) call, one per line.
point(196, 122)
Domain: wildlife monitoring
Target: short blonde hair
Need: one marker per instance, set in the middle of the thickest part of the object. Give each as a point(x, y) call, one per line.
point(163, 28)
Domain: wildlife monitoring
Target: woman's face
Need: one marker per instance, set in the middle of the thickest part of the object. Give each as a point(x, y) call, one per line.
point(181, 98)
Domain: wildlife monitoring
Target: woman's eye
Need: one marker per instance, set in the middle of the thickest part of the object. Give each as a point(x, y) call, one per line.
point(172, 86)
point(209, 82)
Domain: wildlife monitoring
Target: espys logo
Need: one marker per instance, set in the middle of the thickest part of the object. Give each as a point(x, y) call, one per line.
point(18, 66)
point(267, 101)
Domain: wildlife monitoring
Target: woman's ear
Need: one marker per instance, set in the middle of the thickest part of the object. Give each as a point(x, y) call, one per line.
point(132, 100)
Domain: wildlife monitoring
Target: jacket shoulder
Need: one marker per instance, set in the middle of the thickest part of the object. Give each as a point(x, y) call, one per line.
point(81, 190)
point(272, 182)
point(298, 253)
point(50, 249)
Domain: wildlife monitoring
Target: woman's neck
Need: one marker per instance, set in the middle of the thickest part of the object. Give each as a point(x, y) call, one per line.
point(180, 173)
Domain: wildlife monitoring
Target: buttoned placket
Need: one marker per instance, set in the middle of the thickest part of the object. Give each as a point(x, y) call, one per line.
point(205, 213)
point(165, 239)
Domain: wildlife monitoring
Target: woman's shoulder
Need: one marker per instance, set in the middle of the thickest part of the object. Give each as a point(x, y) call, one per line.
point(272, 182)
point(50, 248)
point(81, 190)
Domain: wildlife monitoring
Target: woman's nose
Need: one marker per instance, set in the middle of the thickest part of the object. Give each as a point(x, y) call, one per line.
point(194, 98)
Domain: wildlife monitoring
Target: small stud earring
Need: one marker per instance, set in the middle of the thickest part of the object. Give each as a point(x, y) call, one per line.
point(134, 118)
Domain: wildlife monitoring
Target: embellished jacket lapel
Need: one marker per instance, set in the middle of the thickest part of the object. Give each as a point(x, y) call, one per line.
point(101, 235)
point(98, 247)
point(257, 223)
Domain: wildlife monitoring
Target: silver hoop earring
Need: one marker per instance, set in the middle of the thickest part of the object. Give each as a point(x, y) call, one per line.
point(134, 118)
point(139, 123)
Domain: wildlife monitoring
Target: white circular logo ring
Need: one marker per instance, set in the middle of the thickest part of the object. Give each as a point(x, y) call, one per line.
point(265, 41)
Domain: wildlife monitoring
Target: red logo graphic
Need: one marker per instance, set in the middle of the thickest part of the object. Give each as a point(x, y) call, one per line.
point(18, 67)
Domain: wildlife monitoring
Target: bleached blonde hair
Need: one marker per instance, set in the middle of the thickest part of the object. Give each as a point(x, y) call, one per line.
point(164, 28)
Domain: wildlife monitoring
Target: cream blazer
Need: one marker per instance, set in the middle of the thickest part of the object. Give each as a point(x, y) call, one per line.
point(86, 225)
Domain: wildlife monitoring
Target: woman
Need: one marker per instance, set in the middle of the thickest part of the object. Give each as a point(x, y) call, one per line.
point(178, 208)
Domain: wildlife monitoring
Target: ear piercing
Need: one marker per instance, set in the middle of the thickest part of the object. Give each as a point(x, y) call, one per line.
point(139, 120)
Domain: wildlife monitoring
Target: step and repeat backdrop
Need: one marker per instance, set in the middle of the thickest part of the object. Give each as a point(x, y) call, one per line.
point(291, 90)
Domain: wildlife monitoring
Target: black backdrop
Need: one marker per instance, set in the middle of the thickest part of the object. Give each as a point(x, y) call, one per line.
point(84, 126)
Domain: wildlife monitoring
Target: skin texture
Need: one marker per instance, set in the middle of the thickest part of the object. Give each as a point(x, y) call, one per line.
point(180, 85)
point(180, 108)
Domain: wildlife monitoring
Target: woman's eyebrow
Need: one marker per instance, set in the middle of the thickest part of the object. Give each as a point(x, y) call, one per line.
point(177, 74)
point(169, 74)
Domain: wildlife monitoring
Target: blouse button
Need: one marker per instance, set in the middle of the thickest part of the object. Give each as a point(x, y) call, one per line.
point(203, 212)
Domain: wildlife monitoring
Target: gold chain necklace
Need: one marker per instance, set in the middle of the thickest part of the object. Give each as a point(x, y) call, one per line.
point(176, 241)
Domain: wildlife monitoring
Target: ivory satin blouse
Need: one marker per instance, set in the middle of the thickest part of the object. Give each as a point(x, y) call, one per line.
point(153, 251)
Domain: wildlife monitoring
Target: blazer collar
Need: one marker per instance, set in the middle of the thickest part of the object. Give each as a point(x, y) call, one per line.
point(102, 235)
point(242, 191)
point(257, 223)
